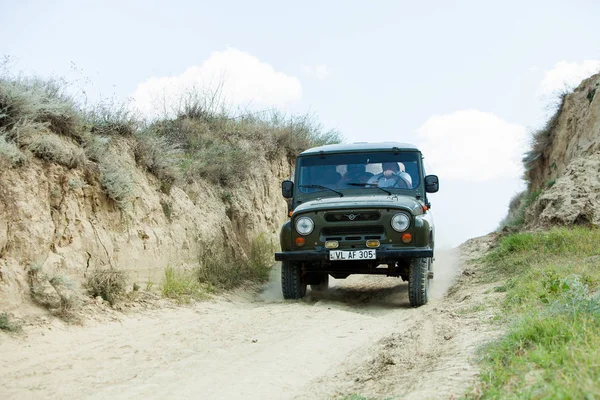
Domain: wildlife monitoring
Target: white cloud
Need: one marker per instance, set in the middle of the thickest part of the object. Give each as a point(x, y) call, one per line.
point(318, 71)
point(472, 145)
point(566, 75)
point(245, 81)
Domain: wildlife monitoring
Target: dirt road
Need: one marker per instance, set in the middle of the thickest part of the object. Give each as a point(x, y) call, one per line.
point(360, 336)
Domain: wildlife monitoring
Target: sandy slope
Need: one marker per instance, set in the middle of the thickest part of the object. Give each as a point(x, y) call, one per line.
point(361, 336)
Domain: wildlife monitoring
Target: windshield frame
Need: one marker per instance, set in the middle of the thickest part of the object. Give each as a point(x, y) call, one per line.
point(371, 158)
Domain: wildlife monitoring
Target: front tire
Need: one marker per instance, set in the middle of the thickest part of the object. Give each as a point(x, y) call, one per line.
point(418, 281)
point(292, 284)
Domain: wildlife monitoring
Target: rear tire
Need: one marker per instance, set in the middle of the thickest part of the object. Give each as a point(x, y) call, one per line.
point(418, 281)
point(322, 285)
point(292, 284)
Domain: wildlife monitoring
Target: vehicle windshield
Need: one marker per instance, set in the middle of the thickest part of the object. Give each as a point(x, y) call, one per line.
point(362, 171)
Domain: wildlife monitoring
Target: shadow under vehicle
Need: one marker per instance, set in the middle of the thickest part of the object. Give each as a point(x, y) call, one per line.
point(358, 208)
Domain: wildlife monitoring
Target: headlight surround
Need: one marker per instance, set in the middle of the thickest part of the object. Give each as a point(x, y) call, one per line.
point(400, 222)
point(304, 225)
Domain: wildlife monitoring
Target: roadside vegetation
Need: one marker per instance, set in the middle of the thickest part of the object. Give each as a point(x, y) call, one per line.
point(199, 141)
point(552, 308)
point(542, 138)
point(7, 325)
point(541, 141)
point(217, 271)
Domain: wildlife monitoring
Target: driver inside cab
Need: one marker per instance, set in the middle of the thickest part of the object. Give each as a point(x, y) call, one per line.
point(393, 175)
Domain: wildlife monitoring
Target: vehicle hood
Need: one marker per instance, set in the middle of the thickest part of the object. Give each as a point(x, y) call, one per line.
point(397, 201)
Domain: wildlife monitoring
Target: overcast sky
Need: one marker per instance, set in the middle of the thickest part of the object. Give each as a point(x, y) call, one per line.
point(467, 81)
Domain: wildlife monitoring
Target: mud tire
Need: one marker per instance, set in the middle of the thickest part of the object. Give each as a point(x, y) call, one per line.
point(418, 281)
point(292, 285)
point(322, 285)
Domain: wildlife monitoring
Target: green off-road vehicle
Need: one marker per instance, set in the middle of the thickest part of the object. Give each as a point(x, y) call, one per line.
point(358, 208)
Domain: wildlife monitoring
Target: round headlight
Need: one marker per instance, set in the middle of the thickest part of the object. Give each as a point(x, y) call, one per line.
point(304, 225)
point(400, 222)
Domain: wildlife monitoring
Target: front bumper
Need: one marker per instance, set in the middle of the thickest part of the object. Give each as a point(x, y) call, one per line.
point(383, 256)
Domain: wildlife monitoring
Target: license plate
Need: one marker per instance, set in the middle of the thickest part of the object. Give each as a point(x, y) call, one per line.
point(335, 255)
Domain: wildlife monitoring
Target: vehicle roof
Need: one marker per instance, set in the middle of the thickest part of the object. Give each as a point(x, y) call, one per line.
point(359, 147)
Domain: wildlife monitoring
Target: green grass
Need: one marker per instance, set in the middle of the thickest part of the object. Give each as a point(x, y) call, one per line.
point(183, 285)
point(228, 271)
point(552, 306)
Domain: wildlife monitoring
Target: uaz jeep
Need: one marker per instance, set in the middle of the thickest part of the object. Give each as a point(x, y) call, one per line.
point(358, 208)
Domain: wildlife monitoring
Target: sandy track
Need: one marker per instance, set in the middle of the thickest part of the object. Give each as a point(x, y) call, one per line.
point(361, 336)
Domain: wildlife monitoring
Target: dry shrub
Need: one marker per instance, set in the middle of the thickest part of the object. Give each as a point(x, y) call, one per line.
point(39, 100)
point(10, 155)
point(110, 118)
point(50, 147)
point(7, 325)
point(95, 146)
point(55, 292)
point(110, 284)
point(542, 138)
point(118, 182)
point(160, 157)
point(38, 138)
point(221, 163)
point(298, 133)
point(224, 148)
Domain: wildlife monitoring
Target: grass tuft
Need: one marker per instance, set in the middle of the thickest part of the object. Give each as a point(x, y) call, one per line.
point(183, 285)
point(110, 118)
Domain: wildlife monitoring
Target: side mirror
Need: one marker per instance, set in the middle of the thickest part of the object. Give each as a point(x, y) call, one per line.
point(432, 184)
point(287, 189)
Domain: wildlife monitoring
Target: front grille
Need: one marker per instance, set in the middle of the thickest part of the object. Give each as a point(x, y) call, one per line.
point(353, 230)
point(349, 216)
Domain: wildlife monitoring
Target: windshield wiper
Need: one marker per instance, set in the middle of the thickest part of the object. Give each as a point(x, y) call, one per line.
point(369, 185)
point(322, 187)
